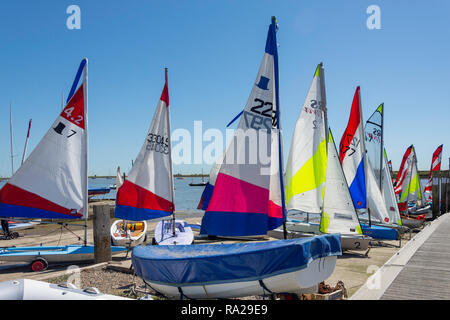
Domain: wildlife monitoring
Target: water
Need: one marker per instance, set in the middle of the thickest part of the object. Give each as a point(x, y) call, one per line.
point(186, 197)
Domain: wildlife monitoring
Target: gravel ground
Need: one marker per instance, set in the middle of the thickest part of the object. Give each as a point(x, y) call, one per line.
point(116, 283)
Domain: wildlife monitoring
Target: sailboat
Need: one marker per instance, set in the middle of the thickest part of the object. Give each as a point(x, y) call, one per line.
point(377, 158)
point(52, 182)
point(360, 177)
point(435, 167)
point(315, 180)
point(198, 184)
point(247, 200)
point(148, 191)
point(411, 191)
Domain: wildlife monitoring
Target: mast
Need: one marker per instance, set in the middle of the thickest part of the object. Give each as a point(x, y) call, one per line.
point(365, 158)
point(26, 142)
point(86, 202)
point(382, 146)
point(280, 148)
point(170, 158)
point(324, 107)
point(11, 135)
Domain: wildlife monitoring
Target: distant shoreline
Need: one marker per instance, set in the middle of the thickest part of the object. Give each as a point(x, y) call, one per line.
point(112, 177)
point(422, 174)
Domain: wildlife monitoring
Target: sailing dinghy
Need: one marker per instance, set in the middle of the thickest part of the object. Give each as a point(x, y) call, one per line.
point(148, 191)
point(247, 200)
point(411, 190)
point(315, 180)
point(377, 159)
point(435, 167)
point(360, 177)
point(52, 182)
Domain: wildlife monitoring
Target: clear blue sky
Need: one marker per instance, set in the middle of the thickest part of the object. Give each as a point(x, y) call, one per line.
point(213, 50)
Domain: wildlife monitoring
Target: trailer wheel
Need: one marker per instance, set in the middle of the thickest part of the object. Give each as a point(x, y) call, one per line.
point(39, 264)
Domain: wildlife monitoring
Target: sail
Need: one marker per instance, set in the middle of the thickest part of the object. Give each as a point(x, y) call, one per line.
point(119, 180)
point(243, 200)
point(147, 193)
point(52, 181)
point(307, 163)
point(373, 132)
point(375, 201)
point(339, 214)
point(209, 188)
point(387, 190)
point(411, 190)
point(401, 175)
point(435, 167)
point(351, 154)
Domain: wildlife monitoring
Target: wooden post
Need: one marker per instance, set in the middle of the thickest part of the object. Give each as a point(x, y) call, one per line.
point(102, 236)
point(443, 193)
point(435, 193)
point(447, 195)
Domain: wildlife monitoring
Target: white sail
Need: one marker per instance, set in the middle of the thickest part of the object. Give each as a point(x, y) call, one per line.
point(307, 163)
point(389, 195)
point(339, 214)
point(119, 180)
point(147, 193)
point(375, 201)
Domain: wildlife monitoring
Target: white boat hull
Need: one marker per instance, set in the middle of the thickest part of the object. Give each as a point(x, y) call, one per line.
point(303, 227)
point(164, 233)
point(26, 289)
point(355, 242)
point(119, 238)
point(297, 282)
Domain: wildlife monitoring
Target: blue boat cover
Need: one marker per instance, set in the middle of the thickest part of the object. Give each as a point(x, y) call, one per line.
point(201, 264)
point(379, 232)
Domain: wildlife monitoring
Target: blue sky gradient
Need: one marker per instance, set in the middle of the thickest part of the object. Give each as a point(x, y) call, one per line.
point(213, 50)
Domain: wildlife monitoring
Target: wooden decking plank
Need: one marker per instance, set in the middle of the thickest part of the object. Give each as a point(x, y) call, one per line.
point(427, 273)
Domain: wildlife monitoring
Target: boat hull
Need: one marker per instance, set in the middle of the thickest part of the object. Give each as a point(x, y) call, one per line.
point(118, 238)
point(379, 232)
point(301, 230)
point(413, 223)
point(26, 289)
point(164, 233)
point(293, 282)
point(355, 242)
point(58, 254)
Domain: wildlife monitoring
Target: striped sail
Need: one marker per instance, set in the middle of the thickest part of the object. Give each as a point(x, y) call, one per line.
point(388, 193)
point(147, 192)
point(411, 190)
point(307, 163)
point(401, 175)
point(351, 154)
point(339, 214)
point(52, 181)
point(435, 167)
point(246, 196)
point(373, 131)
